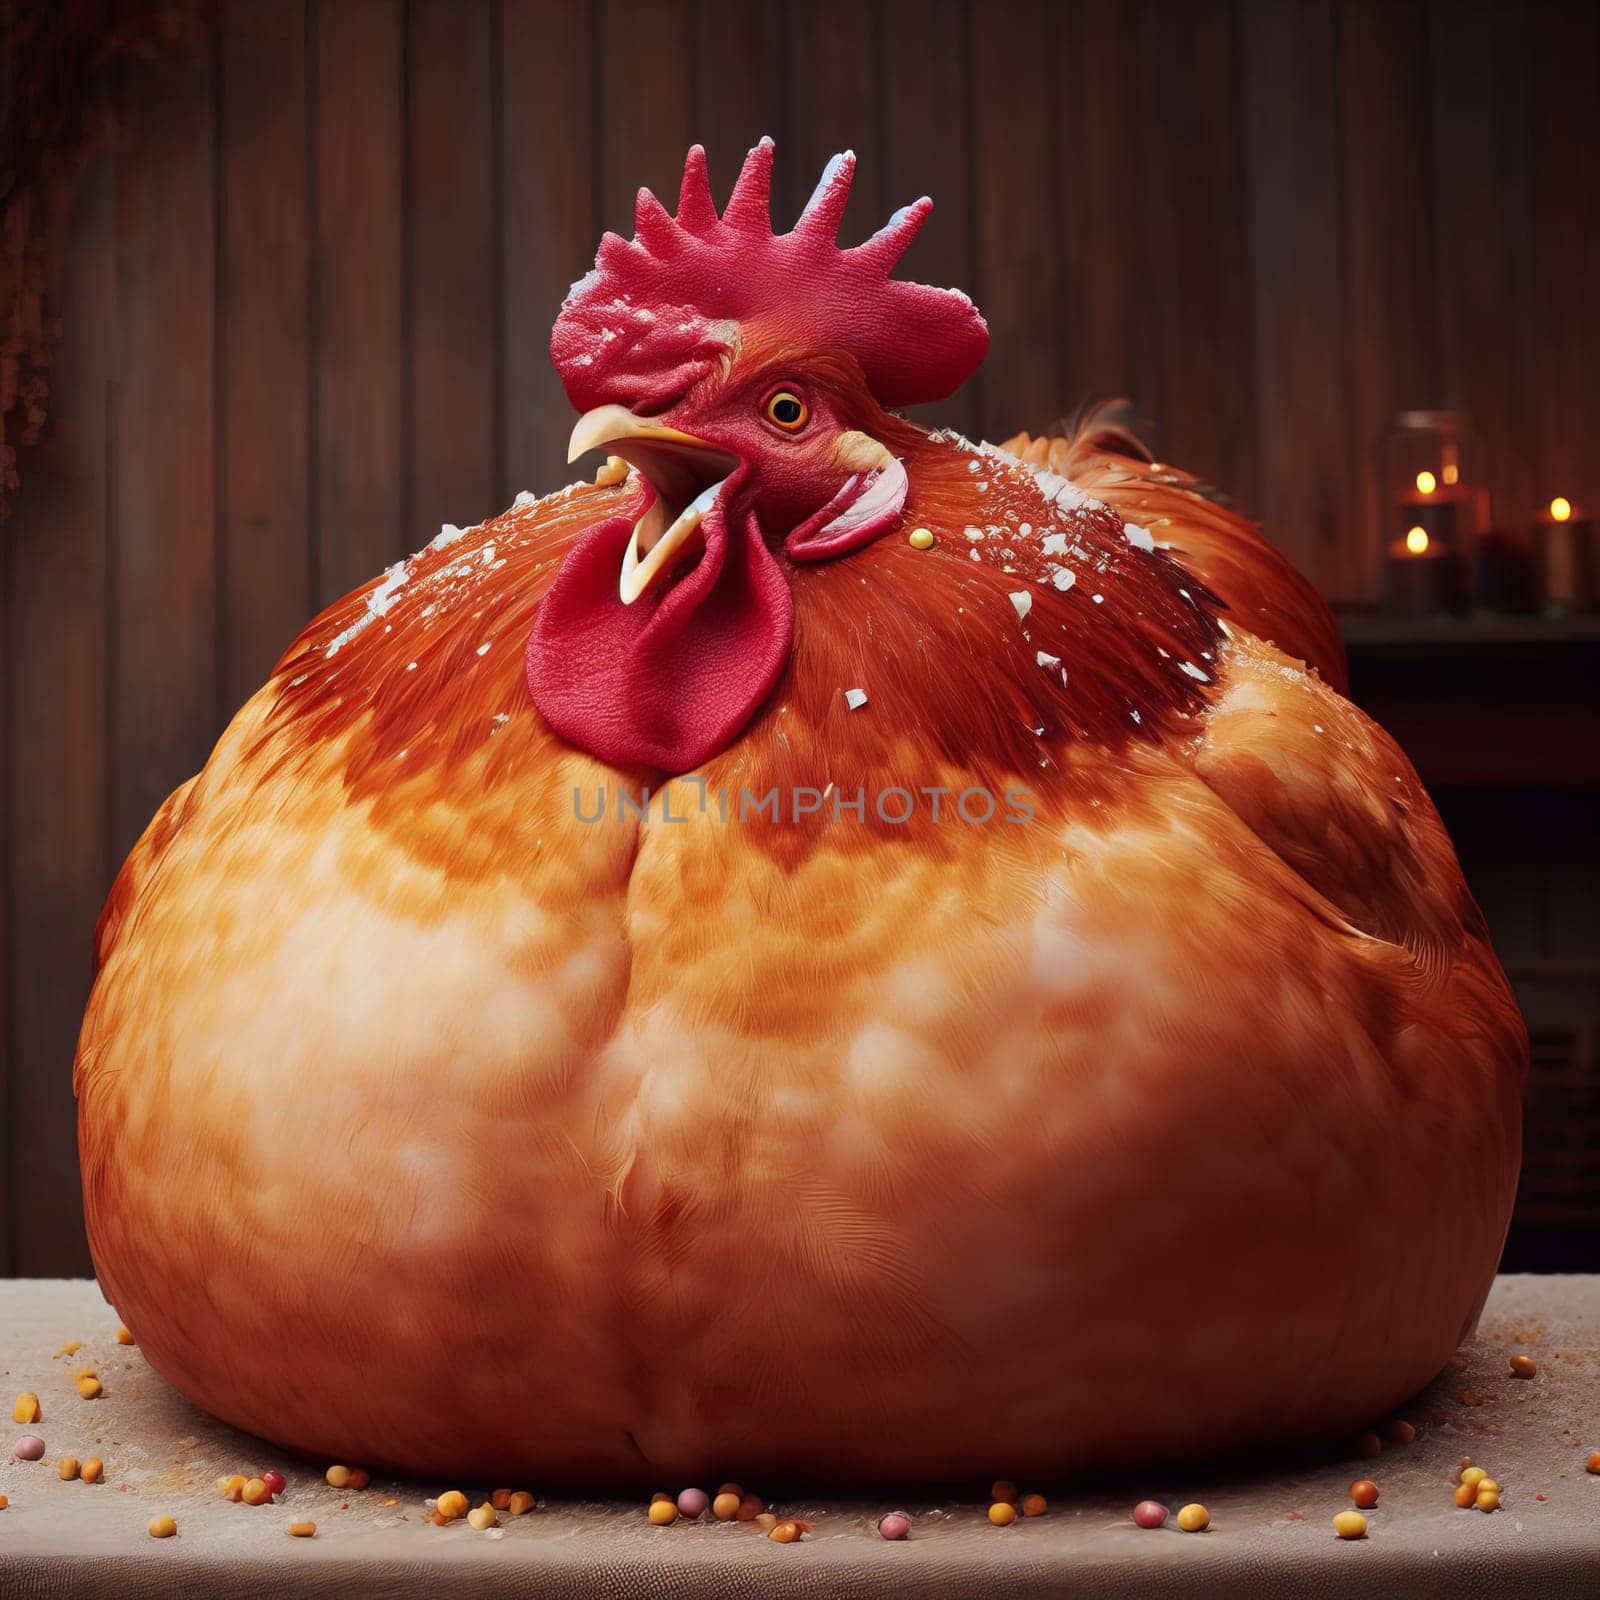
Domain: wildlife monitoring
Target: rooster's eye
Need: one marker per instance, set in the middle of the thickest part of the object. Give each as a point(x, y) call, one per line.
point(785, 409)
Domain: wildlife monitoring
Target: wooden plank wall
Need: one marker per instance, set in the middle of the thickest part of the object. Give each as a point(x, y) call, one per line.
point(310, 291)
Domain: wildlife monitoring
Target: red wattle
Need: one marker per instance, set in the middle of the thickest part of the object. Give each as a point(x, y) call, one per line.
point(670, 680)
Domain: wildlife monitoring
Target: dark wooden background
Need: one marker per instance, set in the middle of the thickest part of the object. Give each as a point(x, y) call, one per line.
point(308, 296)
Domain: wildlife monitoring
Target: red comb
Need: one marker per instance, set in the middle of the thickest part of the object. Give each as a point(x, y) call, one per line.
point(653, 317)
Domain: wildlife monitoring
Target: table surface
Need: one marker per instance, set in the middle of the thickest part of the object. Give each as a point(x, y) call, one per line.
point(1270, 1527)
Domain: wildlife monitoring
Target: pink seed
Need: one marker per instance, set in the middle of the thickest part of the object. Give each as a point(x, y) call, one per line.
point(28, 1448)
point(896, 1525)
point(1150, 1514)
point(693, 1502)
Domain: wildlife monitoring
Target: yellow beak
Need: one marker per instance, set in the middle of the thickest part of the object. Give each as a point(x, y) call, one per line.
point(687, 474)
point(609, 425)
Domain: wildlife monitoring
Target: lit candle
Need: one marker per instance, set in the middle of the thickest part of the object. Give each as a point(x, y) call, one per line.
point(1422, 573)
point(1564, 558)
point(1436, 511)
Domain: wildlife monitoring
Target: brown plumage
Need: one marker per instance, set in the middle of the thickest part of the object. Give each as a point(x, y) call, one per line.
point(427, 1123)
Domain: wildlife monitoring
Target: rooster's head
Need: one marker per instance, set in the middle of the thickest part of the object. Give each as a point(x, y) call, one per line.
point(745, 377)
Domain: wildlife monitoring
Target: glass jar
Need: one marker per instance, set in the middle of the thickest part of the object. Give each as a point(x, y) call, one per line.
point(1436, 511)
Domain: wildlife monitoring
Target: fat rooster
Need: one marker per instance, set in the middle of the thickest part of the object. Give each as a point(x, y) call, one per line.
point(828, 952)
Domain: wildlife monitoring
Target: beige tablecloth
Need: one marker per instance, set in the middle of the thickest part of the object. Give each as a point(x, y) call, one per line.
point(1270, 1532)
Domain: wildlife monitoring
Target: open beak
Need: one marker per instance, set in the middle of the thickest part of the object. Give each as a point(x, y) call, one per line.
point(686, 473)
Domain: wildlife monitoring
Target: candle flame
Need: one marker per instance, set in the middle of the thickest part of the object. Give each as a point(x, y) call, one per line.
point(1560, 508)
point(1426, 482)
point(1417, 541)
point(1451, 472)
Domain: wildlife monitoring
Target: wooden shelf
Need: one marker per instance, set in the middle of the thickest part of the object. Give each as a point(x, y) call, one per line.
point(1363, 630)
point(1483, 700)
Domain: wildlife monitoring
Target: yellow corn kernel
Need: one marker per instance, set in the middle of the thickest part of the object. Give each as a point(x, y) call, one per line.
point(123, 1336)
point(1488, 1499)
point(726, 1506)
point(1473, 1475)
point(255, 1492)
point(90, 1388)
point(1466, 1493)
point(339, 1477)
point(302, 1530)
point(1350, 1525)
point(71, 1348)
point(767, 1521)
point(93, 1470)
point(26, 1408)
point(482, 1517)
point(921, 539)
point(520, 1503)
point(162, 1527)
point(67, 1468)
point(663, 1513)
point(1002, 1513)
point(1193, 1518)
point(451, 1504)
point(784, 1533)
